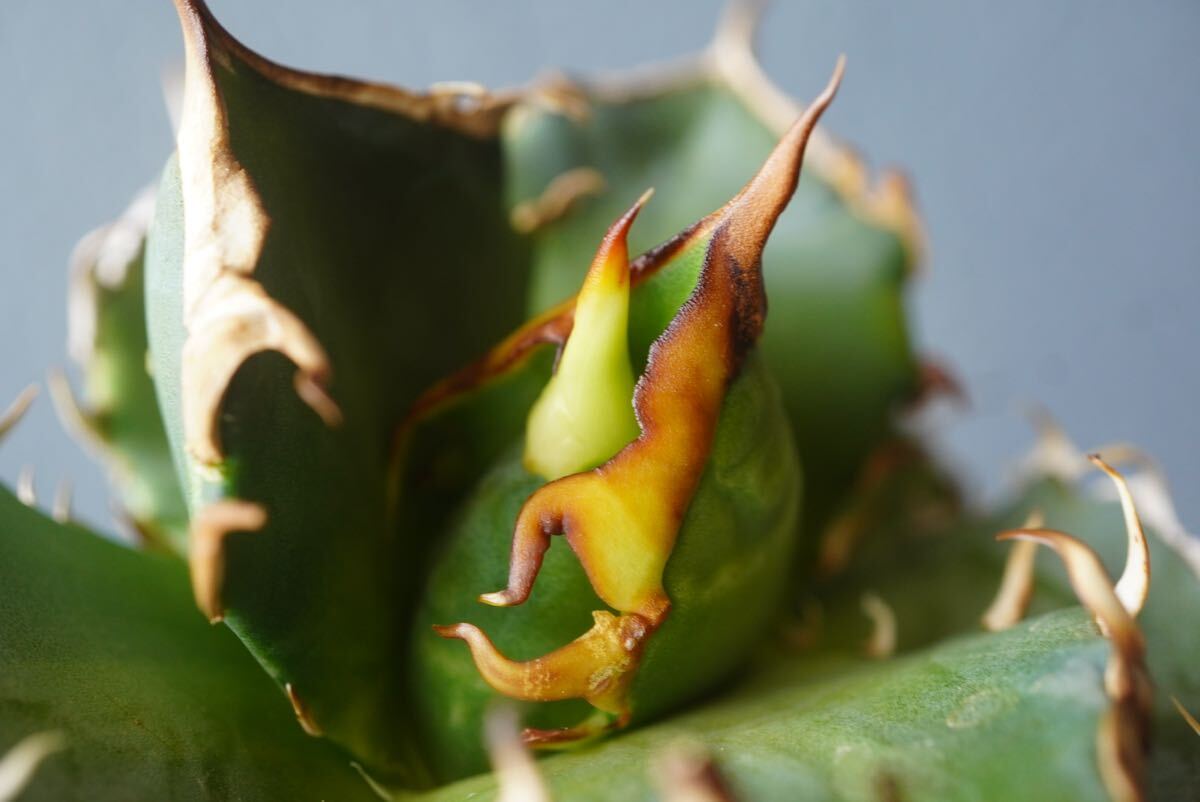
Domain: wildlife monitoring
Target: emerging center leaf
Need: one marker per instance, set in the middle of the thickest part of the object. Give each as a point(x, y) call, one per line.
point(585, 414)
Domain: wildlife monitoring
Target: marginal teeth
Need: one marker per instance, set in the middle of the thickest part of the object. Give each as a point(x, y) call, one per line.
point(1016, 586)
point(61, 510)
point(206, 560)
point(17, 409)
point(882, 641)
point(26, 493)
point(18, 765)
point(557, 199)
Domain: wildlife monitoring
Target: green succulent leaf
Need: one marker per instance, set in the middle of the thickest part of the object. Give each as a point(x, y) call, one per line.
point(939, 576)
point(951, 715)
point(837, 261)
point(103, 645)
point(117, 413)
point(317, 260)
point(946, 723)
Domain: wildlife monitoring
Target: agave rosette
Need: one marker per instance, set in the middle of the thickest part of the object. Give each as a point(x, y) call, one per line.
point(344, 439)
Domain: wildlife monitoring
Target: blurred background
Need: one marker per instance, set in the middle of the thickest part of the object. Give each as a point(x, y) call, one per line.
point(1051, 145)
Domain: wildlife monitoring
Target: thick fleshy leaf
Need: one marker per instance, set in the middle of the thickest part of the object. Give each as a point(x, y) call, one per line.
point(117, 414)
point(934, 578)
point(939, 580)
point(1010, 715)
point(103, 644)
point(351, 229)
point(837, 261)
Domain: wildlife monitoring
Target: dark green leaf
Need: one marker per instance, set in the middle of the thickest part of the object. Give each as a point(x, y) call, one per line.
point(1011, 715)
point(104, 644)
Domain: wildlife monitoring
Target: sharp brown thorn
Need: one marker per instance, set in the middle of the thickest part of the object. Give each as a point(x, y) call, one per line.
point(1016, 586)
point(1091, 584)
point(206, 558)
point(303, 715)
point(318, 399)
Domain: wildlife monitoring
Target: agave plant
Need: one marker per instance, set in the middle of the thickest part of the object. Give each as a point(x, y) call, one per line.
point(304, 362)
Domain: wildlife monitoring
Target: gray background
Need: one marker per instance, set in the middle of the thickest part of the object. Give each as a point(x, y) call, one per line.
point(1051, 145)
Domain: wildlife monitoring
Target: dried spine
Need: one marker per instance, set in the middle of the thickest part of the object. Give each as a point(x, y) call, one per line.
point(731, 61)
point(206, 558)
point(882, 641)
point(1016, 586)
point(303, 715)
point(17, 409)
point(19, 764)
point(1122, 738)
point(557, 199)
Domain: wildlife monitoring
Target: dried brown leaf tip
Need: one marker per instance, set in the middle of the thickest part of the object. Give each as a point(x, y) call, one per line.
point(628, 511)
point(1122, 738)
point(206, 559)
point(731, 60)
point(229, 317)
